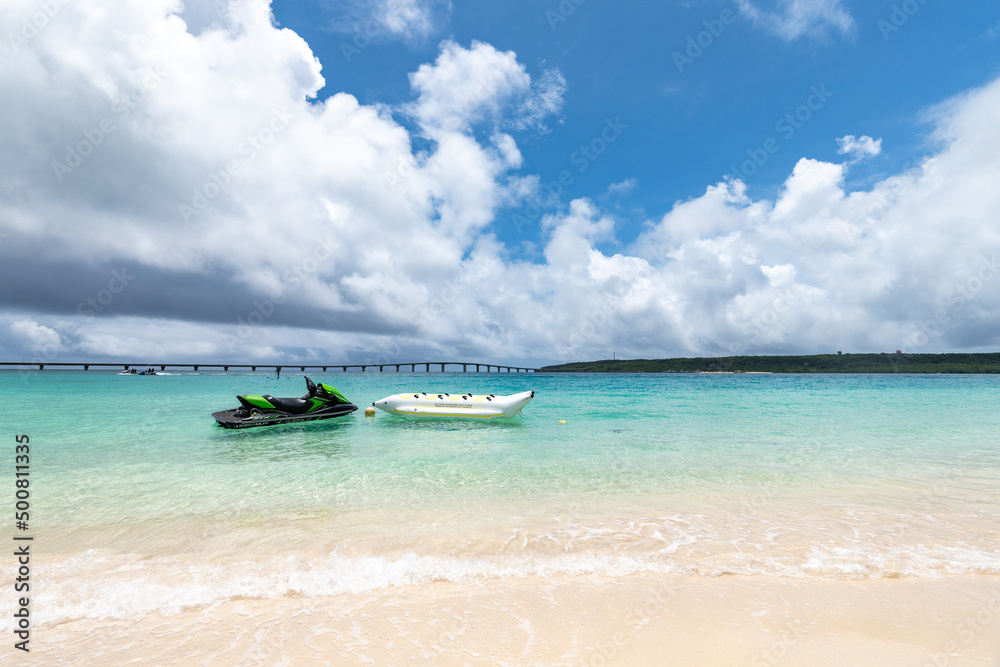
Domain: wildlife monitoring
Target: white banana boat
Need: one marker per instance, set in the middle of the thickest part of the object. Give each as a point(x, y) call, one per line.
point(455, 406)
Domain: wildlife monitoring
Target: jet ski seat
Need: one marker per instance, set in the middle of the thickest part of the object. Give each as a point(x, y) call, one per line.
point(295, 406)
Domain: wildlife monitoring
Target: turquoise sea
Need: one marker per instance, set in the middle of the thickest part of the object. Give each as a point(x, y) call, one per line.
point(142, 505)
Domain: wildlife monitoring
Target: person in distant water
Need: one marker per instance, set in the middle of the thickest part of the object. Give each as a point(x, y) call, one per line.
point(277, 373)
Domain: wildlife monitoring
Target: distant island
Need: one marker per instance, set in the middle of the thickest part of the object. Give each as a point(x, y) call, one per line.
point(819, 363)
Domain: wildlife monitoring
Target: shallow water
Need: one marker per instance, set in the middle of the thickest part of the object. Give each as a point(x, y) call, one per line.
point(141, 504)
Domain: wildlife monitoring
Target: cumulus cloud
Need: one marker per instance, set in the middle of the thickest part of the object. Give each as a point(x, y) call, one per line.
point(859, 148)
point(36, 338)
point(408, 17)
point(464, 87)
point(409, 20)
point(793, 19)
point(623, 187)
point(255, 222)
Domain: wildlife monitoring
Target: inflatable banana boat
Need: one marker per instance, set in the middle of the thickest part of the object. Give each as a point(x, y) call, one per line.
point(455, 406)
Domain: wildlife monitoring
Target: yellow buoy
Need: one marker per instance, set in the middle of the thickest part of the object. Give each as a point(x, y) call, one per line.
point(562, 421)
point(369, 412)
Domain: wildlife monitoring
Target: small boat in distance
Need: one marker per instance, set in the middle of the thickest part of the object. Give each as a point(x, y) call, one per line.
point(455, 406)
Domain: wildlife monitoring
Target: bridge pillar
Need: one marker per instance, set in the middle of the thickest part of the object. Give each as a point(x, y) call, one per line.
point(41, 367)
point(253, 368)
point(397, 368)
point(161, 368)
point(86, 367)
point(381, 369)
point(324, 369)
point(225, 368)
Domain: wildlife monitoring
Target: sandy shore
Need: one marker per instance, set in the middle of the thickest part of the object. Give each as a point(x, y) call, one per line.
point(636, 620)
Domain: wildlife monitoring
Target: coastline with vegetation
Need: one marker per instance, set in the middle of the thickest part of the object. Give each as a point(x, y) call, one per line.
point(819, 363)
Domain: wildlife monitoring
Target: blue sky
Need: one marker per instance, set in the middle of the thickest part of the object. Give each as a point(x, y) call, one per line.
point(524, 183)
point(689, 125)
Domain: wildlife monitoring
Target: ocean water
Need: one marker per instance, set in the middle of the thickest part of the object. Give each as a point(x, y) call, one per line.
point(142, 505)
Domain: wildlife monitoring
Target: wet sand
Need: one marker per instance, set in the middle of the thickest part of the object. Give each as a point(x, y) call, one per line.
point(566, 620)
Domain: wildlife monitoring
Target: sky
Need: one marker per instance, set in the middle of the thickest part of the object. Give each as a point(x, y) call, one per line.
point(527, 183)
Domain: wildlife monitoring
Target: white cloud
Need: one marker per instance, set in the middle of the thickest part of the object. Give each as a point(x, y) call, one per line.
point(464, 87)
point(335, 240)
point(623, 187)
point(800, 18)
point(991, 35)
point(409, 20)
point(407, 17)
point(545, 99)
point(36, 338)
point(859, 148)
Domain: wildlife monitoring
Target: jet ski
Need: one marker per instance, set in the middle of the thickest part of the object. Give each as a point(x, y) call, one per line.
point(455, 406)
point(322, 402)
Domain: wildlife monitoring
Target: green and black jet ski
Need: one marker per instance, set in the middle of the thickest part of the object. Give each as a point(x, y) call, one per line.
point(322, 402)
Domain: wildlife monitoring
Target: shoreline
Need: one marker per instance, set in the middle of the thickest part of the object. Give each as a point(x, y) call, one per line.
point(755, 521)
point(882, 363)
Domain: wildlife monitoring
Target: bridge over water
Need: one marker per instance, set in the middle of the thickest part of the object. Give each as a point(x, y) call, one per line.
point(428, 366)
